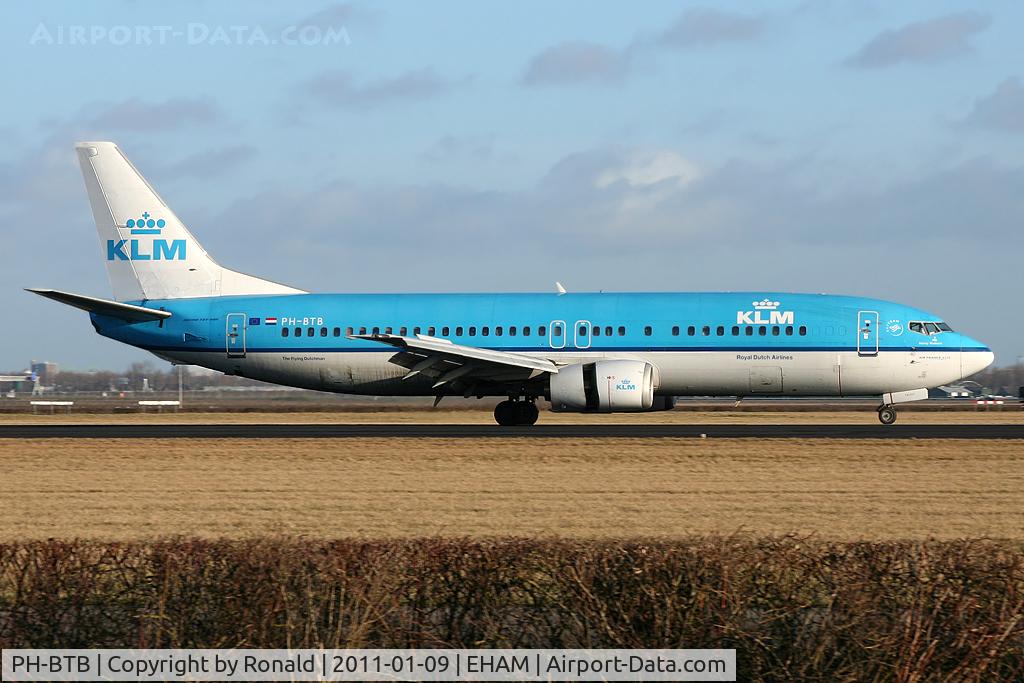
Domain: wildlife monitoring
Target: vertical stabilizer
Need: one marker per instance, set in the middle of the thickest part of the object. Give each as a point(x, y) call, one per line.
point(149, 253)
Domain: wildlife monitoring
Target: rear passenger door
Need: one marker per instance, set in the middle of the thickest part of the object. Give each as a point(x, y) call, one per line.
point(234, 335)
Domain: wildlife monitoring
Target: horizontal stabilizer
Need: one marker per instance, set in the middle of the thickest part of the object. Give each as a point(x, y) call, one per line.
point(113, 309)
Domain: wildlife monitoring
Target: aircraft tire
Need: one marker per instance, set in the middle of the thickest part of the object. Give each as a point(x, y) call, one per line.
point(505, 414)
point(527, 412)
point(887, 415)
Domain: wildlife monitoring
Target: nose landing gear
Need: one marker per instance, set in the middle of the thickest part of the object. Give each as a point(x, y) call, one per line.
point(514, 412)
point(887, 415)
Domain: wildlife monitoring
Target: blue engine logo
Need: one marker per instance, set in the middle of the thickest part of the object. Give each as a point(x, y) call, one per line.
point(135, 249)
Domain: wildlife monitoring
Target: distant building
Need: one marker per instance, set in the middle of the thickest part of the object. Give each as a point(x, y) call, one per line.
point(46, 372)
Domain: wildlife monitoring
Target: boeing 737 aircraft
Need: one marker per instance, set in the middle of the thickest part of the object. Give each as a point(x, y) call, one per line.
point(589, 352)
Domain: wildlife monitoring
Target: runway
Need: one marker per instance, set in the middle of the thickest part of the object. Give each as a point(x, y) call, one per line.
point(483, 431)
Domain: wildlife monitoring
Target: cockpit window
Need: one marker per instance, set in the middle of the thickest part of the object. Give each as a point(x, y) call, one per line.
point(929, 327)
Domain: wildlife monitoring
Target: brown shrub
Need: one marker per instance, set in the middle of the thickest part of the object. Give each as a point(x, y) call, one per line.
point(792, 607)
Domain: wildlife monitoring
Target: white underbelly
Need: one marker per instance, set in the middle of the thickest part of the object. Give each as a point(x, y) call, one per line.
point(698, 373)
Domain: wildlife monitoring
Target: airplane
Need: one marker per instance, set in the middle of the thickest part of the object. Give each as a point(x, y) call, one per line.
point(582, 352)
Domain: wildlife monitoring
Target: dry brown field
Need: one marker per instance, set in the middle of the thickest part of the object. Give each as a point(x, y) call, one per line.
point(582, 488)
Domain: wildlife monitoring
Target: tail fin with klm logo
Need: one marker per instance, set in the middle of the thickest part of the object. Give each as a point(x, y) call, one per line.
point(149, 252)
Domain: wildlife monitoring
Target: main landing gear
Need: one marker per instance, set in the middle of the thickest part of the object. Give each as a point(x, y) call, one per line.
point(887, 415)
point(516, 413)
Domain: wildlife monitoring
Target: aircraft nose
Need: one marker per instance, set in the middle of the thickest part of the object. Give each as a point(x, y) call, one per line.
point(974, 360)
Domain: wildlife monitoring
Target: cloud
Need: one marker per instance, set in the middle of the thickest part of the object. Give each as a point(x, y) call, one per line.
point(576, 62)
point(451, 148)
point(138, 115)
point(338, 88)
point(1003, 110)
point(336, 15)
point(923, 42)
point(705, 26)
point(210, 163)
point(340, 15)
point(643, 170)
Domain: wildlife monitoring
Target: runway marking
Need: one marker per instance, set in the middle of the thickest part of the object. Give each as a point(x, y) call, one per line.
point(483, 431)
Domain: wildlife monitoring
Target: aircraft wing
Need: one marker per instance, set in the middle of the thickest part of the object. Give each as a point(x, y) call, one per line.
point(448, 362)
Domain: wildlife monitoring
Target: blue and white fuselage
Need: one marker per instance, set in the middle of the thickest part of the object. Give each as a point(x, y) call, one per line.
point(601, 352)
point(700, 343)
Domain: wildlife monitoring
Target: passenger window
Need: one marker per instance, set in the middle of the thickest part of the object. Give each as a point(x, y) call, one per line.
point(298, 331)
point(762, 330)
point(376, 330)
point(431, 331)
point(284, 331)
point(596, 331)
point(556, 330)
point(675, 330)
point(444, 331)
point(720, 331)
point(323, 331)
point(735, 330)
point(749, 331)
point(498, 331)
point(472, 331)
point(691, 330)
point(608, 330)
point(337, 331)
point(789, 330)
point(705, 331)
point(647, 331)
point(526, 331)
point(403, 331)
point(458, 331)
point(512, 331)
point(622, 331)
point(348, 331)
point(775, 330)
point(485, 331)
point(387, 330)
point(542, 331)
point(416, 330)
point(309, 332)
point(803, 331)
point(362, 330)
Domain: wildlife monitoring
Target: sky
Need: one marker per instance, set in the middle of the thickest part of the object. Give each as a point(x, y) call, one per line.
point(848, 147)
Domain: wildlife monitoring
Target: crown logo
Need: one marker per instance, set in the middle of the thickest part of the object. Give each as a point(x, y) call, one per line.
point(766, 305)
point(145, 225)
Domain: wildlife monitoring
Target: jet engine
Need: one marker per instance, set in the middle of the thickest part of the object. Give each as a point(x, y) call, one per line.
point(606, 386)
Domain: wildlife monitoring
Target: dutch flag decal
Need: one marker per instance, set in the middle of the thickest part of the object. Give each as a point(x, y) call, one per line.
point(270, 321)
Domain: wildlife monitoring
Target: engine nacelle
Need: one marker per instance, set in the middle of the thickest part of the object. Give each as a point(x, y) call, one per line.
point(604, 386)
